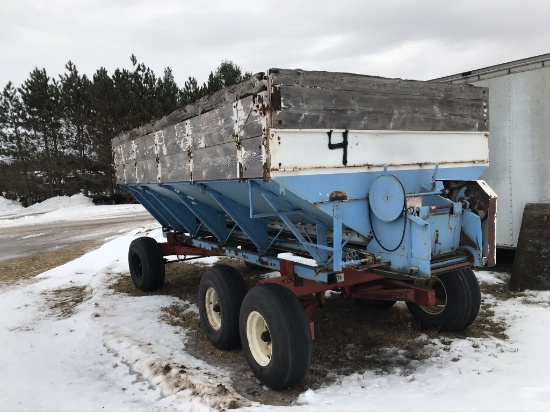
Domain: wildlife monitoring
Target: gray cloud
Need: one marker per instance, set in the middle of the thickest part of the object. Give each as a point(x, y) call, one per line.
point(412, 39)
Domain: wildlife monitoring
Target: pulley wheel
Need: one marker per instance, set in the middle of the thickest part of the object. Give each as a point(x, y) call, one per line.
point(387, 198)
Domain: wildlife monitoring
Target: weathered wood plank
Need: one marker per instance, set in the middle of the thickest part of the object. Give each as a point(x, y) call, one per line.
point(145, 147)
point(119, 173)
point(146, 171)
point(310, 108)
point(215, 162)
point(252, 159)
point(171, 140)
point(213, 128)
point(126, 152)
point(221, 161)
point(249, 123)
point(373, 84)
point(130, 176)
point(253, 85)
point(174, 168)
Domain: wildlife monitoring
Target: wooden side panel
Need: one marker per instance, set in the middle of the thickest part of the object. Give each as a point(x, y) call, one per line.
point(212, 128)
point(220, 137)
point(175, 168)
point(119, 173)
point(251, 86)
point(126, 152)
point(130, 175)
point(146, 171)
point(373, 84)
point(171, 140)
point(252, 159)
point(249, 122)
point(317, 108)
point(145, 147)
point(215, 162)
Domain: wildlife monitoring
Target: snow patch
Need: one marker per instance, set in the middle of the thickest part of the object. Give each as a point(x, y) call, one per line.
point(32, 236)
point(9, 207)
point(64, 208)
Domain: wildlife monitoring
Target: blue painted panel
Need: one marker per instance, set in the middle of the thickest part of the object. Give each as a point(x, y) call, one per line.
point(304, 199)
point(317, 188)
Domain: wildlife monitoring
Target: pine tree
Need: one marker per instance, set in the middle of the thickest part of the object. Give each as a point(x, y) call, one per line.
point(167, 92)
point(16, 149)
point(75, 99)
point(107, 116)
point(41, 104)
point(191, 91)
point(229, 73)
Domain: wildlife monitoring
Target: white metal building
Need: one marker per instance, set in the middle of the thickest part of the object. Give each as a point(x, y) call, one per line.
point(519, 143)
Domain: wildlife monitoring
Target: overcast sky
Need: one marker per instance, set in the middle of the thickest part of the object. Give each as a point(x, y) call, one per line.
point(420, 39)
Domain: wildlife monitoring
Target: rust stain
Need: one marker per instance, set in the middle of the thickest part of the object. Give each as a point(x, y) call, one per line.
point(337, 195)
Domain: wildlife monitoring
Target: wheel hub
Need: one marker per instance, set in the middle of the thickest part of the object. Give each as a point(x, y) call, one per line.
point(440, 296)
point(213, 309)
point(259, 338)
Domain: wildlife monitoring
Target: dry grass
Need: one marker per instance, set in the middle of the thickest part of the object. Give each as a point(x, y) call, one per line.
point(23, 268)
point(63, 302)
point(500, 291)
point(349, 337)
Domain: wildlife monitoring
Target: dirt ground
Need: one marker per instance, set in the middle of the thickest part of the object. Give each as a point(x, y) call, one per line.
point(349, 337)
point(23, 269)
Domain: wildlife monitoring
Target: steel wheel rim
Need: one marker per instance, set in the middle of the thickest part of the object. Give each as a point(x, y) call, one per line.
point(440, 296)
point(213, 309)
point(259, 338)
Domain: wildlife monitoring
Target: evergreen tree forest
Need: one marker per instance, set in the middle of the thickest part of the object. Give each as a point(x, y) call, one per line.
point(55, 132)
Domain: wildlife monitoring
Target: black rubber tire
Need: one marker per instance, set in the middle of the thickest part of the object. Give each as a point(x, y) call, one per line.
point(288, 332)
point(463, 300)
point(376, 303)
point(146, 264)
point(231, 290)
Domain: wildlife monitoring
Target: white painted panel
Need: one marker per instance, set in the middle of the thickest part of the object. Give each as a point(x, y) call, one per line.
point(519, 173)
point(309, 149)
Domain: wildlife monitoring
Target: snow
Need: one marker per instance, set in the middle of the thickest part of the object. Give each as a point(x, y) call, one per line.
point(9, 206)
point(63, 208)
point(113, 353)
